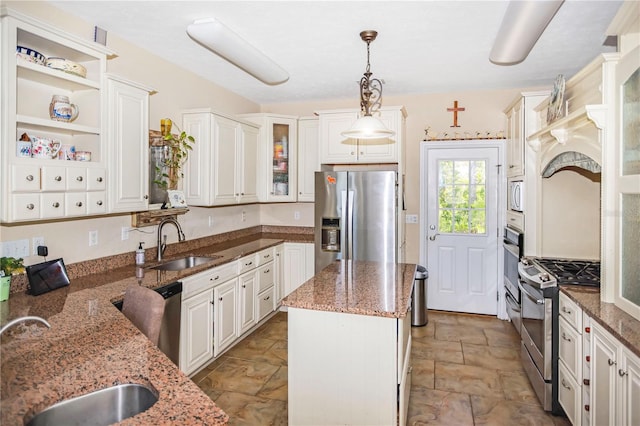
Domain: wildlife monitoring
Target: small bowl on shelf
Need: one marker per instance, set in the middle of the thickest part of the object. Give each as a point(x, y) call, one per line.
point(30, 55)
point(67, 66)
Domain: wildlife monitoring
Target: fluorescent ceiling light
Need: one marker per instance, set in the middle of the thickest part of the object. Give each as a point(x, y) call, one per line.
point(522, 26)
point(217, 37)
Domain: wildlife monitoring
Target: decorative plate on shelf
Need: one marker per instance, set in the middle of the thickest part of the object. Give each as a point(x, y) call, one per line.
point(555, 109)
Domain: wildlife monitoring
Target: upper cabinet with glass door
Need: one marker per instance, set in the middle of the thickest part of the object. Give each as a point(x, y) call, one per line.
point(277, 156)
point(52, 84)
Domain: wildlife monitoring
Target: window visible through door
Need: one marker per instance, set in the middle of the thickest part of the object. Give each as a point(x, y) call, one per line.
point(462, 197)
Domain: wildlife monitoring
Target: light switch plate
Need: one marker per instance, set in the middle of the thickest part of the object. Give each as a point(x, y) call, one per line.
point(411, 218)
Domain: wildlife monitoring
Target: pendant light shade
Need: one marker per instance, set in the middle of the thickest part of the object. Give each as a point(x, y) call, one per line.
point(368, 126)
point(218, 38)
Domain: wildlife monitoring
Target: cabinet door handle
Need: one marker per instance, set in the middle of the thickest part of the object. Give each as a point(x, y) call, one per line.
point(566, 311)
point(299, 193)
point(588, 358)
point(58, 178)
point(30, 206)
point(242, 193)
point(99, 179)
point(267, 298)
point(216, 278)
point(213, 302)
point(29, 178)
point(244, 286)
point(79, 204)
point(586, 382)
point(587, 329)
point(220, 299)
point(56, 204)
point(611, 362)
point(352, 152)
point(99, 203)
point(248, 264)
point(266, 271)
point(266, 256)
point(564, 385)
point(79, 179)
point(622, 373)
point(564, 336)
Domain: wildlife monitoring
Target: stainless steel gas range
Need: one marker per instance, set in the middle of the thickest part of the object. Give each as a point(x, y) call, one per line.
point(539, 280)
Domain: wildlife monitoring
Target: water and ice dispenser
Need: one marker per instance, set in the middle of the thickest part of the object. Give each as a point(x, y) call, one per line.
point(330, 234)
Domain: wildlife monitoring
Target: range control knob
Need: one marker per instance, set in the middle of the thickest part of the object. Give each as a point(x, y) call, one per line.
point(544, 277)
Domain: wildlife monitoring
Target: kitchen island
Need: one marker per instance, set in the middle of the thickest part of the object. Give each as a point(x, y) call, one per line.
point(349, 345)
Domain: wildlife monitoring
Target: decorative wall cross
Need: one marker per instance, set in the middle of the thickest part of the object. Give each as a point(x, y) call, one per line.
point(455, 110)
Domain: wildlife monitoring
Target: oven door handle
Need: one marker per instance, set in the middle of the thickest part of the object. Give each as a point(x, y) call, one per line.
point(531, 296)
point(512, 302)
point(512, 248)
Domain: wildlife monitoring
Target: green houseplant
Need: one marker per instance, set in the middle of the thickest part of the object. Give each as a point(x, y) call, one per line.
point(177, 147)
point(8, 266)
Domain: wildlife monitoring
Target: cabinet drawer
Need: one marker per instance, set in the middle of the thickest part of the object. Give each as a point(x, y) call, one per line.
point(265, 276)
point(75, 203)
point(570, 311)
point(76, 179)
point(569, 395)
point(248, 263)
point(96, 202)
point(515, 219)
point(54, 179)
point(208, 279)
point(96, 180)
point(570, 348)
point(25, 207)
point(25, 178)
point(266, 256)
point(265, 303)
point(52, 205)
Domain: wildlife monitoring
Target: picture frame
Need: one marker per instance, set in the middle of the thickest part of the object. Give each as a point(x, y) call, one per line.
point(176, 198)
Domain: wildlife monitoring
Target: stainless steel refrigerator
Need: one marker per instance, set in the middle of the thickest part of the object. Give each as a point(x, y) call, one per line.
point(356, 216)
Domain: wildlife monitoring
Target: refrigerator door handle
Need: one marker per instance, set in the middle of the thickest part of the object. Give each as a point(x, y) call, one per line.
point(344, 226)
point(350, 226)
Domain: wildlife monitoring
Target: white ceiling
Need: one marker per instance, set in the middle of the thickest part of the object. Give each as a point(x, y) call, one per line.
point(422, 46)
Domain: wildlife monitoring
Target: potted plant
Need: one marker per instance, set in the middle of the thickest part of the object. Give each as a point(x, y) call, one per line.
point(8, 266)
point(177, 147)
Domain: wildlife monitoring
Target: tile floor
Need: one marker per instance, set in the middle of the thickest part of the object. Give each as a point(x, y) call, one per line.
point(466, 371)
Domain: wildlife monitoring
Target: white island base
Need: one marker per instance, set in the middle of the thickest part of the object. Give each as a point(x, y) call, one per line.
point(348, 369)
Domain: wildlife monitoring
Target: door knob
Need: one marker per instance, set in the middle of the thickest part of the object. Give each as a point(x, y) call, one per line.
point(433, 237)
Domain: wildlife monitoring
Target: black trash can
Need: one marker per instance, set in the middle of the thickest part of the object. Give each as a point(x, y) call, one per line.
point(419, 298)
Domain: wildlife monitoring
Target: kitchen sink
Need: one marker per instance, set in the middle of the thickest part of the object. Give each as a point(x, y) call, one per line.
point(103, 407)
point(184, 263)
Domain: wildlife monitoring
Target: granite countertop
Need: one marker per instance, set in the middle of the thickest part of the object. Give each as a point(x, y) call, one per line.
point(620, 324)
point(91, 345)
point(357, 287)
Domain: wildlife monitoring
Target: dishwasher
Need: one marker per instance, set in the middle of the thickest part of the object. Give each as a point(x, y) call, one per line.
point(169, 341)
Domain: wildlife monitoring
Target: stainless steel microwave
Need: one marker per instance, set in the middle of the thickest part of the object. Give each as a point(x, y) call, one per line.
point(516, 195)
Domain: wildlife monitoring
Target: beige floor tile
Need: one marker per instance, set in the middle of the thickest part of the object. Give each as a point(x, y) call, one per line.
point(494, 357)
point(260, 350)
point(517, 387)
point(508, 337)
point(483, 321)
point(274, 330)
point(460, 333)
point(467, 379)
point(427, 331)
point(277, 354)
point(493, 411)
point(423, 374)
point(442, 316)
point(439, 350)
point(248, 410)
point(208, 369)
point(276, 387)
point(435, 407)
point(238, 375)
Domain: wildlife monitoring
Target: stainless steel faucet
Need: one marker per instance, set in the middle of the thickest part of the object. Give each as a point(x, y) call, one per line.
point(162, 242)
point(23, 319)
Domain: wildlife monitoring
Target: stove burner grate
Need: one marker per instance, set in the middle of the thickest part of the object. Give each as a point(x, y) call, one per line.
point(580, 272)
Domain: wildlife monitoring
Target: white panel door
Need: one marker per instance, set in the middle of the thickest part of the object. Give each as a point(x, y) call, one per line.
point(462, 229)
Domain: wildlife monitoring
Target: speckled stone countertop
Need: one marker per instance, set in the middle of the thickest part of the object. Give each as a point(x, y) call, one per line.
point(620, 324)
point(357, 287)
point(91, 345)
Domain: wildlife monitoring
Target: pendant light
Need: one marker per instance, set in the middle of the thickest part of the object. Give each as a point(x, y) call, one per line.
point(368, 126)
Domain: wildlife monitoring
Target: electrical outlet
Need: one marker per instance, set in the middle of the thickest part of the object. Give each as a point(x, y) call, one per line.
point(93, 238)
point(21, 248)
point(210, 221)
point(411, 218)
point(124, 233)
point(35, 242)
point(244, 216)
point(296, 215)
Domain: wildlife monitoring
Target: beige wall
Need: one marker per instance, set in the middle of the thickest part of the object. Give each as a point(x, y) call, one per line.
point(179, 89)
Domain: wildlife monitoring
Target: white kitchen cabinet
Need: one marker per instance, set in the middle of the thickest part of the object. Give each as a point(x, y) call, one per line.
point(277, 156)
point(570, 353)
point(225, 302)
point(278, 279)
point(615, 381)
point(28, 88)
point(196, 334)
point(368, 367)
point(515, 139)
point(127, 109)
point(336, 149)
point(308, 157)
point(298, 265)
point(266, 291)
point(247, 286)
point(221, 168)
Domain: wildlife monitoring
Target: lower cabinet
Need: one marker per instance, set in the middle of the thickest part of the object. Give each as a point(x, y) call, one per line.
point(298, 265)
point(615, 381)
point(223, 303)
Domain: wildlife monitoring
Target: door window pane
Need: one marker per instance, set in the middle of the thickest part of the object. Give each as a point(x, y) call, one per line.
point(630, 248)
point(462, 196)
point(631, 125)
